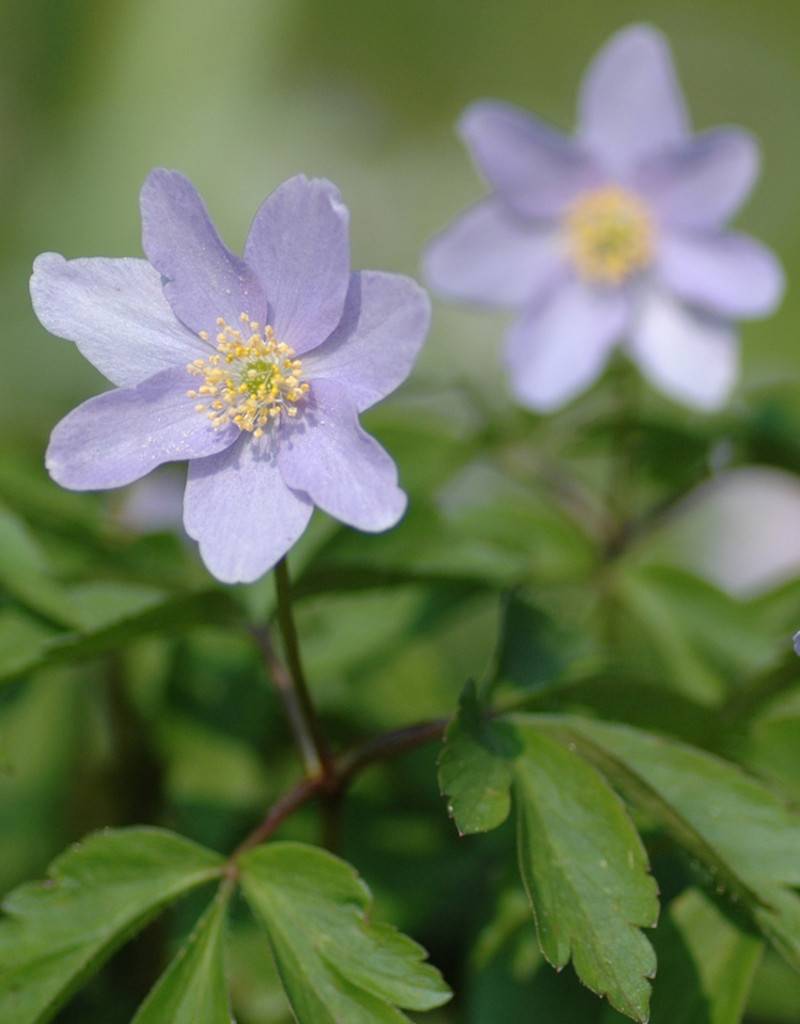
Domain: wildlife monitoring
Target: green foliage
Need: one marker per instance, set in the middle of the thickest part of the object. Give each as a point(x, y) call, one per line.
point(706, 963)
point(58, 932)
point(194, 989)
point(580, 857)
point(334, 962)
point(746, 837)
point(585, 872)
point(476, 766)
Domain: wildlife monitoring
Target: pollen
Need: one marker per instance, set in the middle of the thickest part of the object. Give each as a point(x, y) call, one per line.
point(610, 235)
point(252, 380)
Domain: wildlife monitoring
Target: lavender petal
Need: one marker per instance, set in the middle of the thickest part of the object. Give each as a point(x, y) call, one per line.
point(116, 313)
point(489, 256)
point(300, 249)
point(559, 347)
point(241, 512)
point(372, 351)
point(119, 436)
point(344, 470)
point(204, 279)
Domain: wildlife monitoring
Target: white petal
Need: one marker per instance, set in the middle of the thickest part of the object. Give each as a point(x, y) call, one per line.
point(690, 356)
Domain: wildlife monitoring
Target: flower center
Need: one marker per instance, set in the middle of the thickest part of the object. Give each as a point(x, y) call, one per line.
point(609, 235)
point(251, 380)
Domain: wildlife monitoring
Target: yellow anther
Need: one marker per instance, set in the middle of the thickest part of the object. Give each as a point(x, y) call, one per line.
point(253, 381)
point(609, 234)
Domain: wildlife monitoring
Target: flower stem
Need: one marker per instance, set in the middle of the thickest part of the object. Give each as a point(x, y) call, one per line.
point(341, 774)
point(290, 681)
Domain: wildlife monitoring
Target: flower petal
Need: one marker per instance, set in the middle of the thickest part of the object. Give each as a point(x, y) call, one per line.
point(115, 311)
point(701, 183)
point(299, 246)
point(119, 436)
point(534, 168)
point(241, 512)
point(631, 104)
point(344, 470)
point(372, 351)
point(204, 279)
point(689, 356)
point(731, 275)
point(488, 255)
point(559, 347)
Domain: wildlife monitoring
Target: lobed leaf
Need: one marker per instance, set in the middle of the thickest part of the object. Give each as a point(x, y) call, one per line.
point(586, 873)
point(335, 964)
point(475, 767)
point(706, 963)
point(56, 933)
point(747, 838)
point(194, 989)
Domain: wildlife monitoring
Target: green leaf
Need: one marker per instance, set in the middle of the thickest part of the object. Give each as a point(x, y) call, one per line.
point(110, 615)
point(194, 990)
point(475, 767)
point(747, 837)
point(582, 862)
point(706, 963)
point(696, 637)
point(586, 873)
point(336, 964)
point(510, 982)
point(96, 896)
point(531, 648)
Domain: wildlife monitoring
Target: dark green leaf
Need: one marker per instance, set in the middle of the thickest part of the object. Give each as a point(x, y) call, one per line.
point(335, 963)
point(475, 767)
point(194, 989)
point(586, 873)
point(56, 933)
point(747, 838)
point(706, 963)
point(530, 652)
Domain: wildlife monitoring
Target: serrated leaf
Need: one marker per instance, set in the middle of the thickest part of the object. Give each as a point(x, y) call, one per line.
point(475, 767)
point(747, 838)
point(56, 933)
point(336, 965)
point(706, 963)
point(586, 873)
point(194, 989)
point(511, 982)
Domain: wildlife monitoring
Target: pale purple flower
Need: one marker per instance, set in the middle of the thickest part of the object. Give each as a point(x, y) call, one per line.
point(255, 369)
point(616, 236)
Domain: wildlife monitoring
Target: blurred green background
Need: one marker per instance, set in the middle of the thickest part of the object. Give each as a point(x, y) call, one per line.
point(183, 729)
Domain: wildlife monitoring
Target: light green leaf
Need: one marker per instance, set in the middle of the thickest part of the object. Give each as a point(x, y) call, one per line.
point(56, 933)
point(706, 964)
point(194, 990)
point(475, 767)
point(747, 837)
point(336, 965)
point(586, 873)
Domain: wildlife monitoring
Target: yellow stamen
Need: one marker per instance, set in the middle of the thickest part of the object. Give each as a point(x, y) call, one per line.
point(609, 235)
point(253, 382)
